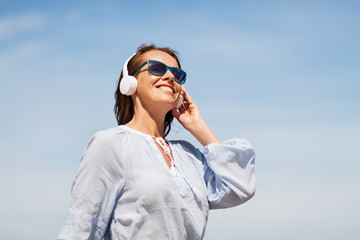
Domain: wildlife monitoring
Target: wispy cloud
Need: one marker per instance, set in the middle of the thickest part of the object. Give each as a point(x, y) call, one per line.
point(12, 26)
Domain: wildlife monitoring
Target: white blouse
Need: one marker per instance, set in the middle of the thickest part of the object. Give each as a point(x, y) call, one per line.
point(125, 190)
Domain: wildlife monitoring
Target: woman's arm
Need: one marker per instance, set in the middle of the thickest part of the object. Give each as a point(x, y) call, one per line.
point(229, 173)
point(228, 167)
point(94, 191)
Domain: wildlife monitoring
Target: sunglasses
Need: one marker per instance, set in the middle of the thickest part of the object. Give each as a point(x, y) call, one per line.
point(157, 68)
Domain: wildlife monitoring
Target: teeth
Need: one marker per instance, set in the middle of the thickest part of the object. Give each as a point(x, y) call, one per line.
point(166, 89)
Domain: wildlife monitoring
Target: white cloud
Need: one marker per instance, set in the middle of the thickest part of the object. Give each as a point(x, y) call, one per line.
point(14, 25)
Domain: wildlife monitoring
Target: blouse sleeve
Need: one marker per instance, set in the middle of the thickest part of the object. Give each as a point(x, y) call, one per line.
point(229, 173)
point(95, 190)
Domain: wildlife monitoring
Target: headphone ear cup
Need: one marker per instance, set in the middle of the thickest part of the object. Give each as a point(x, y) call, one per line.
point(128, 85)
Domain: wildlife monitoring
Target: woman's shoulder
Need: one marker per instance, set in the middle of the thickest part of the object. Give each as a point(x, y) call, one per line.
point(111, 132)
point(109, 135)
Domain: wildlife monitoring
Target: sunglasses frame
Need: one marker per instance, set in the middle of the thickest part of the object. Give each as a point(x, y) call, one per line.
point(159, 75)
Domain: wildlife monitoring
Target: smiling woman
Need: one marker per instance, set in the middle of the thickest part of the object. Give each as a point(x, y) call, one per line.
point(133, 183)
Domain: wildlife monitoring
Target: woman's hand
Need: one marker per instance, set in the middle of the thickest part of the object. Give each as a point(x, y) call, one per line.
point(190, 114)
point(191, 119)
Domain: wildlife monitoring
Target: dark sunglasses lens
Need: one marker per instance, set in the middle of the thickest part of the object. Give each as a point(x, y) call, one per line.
point(157, 68)
point(179, 75)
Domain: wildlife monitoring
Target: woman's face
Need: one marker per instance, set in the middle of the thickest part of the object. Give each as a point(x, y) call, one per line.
point(159, 90)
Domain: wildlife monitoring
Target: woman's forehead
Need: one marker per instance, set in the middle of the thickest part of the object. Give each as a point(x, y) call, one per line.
point(161, 56)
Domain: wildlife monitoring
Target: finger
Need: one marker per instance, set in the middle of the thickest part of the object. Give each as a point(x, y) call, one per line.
point(186, 105)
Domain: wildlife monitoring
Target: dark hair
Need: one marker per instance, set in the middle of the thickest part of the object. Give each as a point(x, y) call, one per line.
point(124, 106)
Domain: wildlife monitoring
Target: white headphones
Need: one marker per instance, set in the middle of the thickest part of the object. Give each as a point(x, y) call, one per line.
point(128, 83)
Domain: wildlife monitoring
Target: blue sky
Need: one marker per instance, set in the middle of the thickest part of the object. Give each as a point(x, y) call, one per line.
point(283, 74)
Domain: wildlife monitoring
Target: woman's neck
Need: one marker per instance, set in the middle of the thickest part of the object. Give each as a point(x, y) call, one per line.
point(151, 123)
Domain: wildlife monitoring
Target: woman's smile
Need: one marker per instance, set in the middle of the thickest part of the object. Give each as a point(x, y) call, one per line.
point(166, 88)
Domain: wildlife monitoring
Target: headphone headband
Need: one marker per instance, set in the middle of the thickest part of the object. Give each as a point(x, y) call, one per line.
point(125, 70)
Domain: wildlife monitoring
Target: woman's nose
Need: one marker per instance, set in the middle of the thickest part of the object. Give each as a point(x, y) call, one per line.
point(168, 76)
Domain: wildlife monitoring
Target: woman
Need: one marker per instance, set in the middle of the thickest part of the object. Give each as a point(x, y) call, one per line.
point(134, 184)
